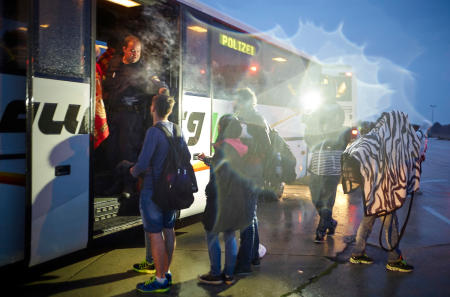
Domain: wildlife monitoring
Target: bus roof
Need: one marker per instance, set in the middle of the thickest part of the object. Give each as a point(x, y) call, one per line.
point(244, 27)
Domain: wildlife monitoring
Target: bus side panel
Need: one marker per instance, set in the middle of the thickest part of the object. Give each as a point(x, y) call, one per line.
point(60, 170)
point(12, 168)
point(196, 127)
point(220, 108)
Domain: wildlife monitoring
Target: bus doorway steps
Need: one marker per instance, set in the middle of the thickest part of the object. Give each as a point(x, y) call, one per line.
point(105, 208)
point(115, 224)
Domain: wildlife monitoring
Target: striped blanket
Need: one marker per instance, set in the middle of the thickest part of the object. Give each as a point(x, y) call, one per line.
point(389, 164)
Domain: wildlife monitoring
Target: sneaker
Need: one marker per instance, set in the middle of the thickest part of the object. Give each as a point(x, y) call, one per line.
point(153, 286)
point(320, 237)
point(400, 266)
point(239, 270)
point(210, 279)
point(332, 227)
point(169, 278)
point(256, 262)
point(362, 259)
point(228, 279)
point(144, 267)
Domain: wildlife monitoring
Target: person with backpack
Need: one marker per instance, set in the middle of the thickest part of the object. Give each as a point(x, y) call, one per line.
point(255, 135)
point(227, 193)
point(158, 223)
point(326, 138)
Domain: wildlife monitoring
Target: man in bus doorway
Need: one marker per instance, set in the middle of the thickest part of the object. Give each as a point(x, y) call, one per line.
point(129, 87)
point(255, 136)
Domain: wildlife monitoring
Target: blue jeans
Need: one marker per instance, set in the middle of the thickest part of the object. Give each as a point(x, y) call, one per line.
point(323, 196)
point(153, 218)
point(248, 250)
point(215, 253)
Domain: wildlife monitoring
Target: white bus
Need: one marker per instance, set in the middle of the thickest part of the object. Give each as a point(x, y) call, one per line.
point(48, 176)
point(342, 79)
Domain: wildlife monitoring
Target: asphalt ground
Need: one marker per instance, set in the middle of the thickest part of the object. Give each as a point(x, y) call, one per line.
point(293, 266)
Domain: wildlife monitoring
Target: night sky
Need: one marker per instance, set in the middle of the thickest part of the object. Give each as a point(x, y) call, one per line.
point(399, 49)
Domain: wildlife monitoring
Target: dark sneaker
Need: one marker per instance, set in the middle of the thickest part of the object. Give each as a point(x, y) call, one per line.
point(256, 262)
point(210, 279)
point(332, 227)
point(362, 259)
point(400, 265)
point(153, 286)
point(144, 267)
point(320, 237)
point(239, 270)
point(228, 279)
point(169, 278)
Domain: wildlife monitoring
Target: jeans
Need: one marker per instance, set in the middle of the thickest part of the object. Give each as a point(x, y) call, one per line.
point(391, 232)
point(323, 195)
point(215, 253)
point(154, 219)
point(248, 249)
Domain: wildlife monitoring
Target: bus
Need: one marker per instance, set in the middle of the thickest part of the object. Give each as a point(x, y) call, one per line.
point(342, 80)
point(48, 172)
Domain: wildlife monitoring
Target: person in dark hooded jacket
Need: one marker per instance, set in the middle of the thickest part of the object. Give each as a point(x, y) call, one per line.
point(255, 134)
point(326, 138)
point(227, 206)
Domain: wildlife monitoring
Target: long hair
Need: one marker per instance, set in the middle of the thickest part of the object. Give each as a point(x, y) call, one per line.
point(229, 127)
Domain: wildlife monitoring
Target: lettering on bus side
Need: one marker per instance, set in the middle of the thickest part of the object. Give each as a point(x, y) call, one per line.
point(237, 45)
point(48, 126)
point(194, 125)
point(14, 119)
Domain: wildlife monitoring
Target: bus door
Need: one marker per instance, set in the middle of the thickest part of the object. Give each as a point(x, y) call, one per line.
point(196, 100)
point(58, 124)
point(13, 55)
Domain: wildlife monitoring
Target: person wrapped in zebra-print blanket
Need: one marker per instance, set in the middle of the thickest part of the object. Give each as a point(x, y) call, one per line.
point(386, 164)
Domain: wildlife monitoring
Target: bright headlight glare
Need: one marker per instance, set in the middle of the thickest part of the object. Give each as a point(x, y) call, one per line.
point(311, 101)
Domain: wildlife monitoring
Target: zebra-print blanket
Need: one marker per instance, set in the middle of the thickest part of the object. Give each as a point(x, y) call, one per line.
point(389, 163)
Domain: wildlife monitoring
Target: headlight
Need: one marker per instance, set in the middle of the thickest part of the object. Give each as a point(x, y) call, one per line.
point(311, 101)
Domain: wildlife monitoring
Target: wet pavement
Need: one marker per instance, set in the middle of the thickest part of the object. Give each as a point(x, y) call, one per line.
point(293, 266)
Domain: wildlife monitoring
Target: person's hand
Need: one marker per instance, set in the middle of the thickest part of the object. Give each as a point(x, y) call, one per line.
point(201, 156)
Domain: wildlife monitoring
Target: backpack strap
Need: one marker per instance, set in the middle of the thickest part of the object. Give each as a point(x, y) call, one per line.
point(175, 147)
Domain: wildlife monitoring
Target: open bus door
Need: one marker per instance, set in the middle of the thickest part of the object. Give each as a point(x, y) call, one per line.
point(58, 119)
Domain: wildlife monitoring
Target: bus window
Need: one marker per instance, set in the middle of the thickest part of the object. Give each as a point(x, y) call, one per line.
point(13, 43)
point(235, 62)
point(284, 73)
point(344, 88)
point(338, 86)
point(195, 62)
point(62, 44)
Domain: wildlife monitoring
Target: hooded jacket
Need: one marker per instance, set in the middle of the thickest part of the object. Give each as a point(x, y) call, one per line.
point(230, 201)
